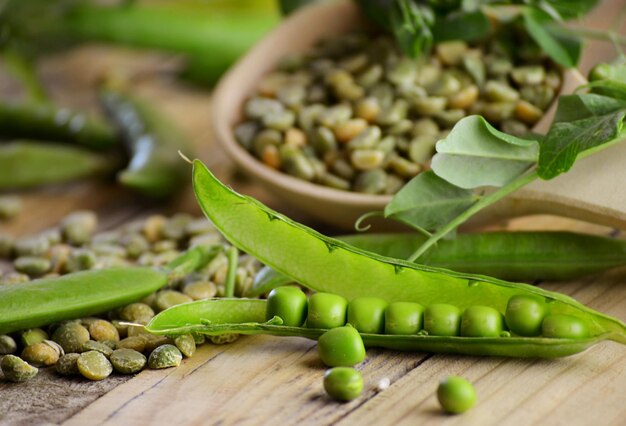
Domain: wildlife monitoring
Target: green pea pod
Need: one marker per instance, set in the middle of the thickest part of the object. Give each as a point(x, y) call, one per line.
point(155, 168)
point(47, 300)
point(47, 123)
point(44, 301)
point(328, 265)
point(517, 256)
point(28, 163)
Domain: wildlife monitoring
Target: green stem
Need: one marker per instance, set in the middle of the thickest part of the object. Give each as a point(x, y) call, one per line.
point(475, 208)
point(591, 33)
point(233, 261)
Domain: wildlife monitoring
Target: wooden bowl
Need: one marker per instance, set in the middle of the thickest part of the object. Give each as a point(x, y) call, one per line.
point(588, 192)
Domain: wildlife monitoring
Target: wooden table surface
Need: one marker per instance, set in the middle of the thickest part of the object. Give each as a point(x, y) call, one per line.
point(263, 379)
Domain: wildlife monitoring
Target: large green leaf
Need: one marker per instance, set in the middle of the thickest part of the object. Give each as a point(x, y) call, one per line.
point(578, 107)
point(475, 154)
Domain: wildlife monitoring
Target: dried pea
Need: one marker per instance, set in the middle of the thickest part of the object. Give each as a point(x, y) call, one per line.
point(94, 365)
point(16, 369)
point(10, 206)
point(7, 344)
point(137, 343)
point(139, 313)
point(67, 365)
point(101, 330)
point(78, 227)
point(33, 336)
point(168, 298)
point(41, 354)
point(33, 266)
point(186, 344)
point(71, 336)
point(92, 345)
point(165, 356)
point(128, 361)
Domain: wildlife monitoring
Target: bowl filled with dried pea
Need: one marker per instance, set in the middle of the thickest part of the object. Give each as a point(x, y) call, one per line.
point(335, 119)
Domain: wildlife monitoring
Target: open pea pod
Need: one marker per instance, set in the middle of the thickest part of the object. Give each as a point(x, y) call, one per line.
point(247, 316)
point(325, 264)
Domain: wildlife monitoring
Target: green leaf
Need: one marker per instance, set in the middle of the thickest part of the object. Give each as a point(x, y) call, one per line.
point(563, 49)
point(569, 9)
point(565, 140)
point(462, 26)
point(411, 25)
point(475, 154)
point(428, 202)
point(577, 107)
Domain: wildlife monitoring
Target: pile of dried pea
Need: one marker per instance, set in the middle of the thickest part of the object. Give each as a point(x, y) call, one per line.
point(95, 347)
point(355, 114)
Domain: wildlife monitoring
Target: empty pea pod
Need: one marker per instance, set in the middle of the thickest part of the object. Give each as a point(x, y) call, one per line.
point(47, 123)
point(328, 265)
point(154, 170)
point(26, 164)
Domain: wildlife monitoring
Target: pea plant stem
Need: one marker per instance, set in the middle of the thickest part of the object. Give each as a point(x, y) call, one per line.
point(475, 208)
point(233, 259)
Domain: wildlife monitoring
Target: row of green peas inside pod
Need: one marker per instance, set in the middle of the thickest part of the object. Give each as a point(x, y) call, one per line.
point(526, 316)
point(356, 114)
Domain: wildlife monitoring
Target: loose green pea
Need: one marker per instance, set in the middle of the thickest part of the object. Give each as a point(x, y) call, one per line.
point(456, 395)
point(564, 327)
point(367, 314)
point(343, 383)
point(481, 321)
point(341, 347)
point(288, 303)
point(128, 361)
point(78, 227)
point(403, 318)
point(94, 366)
point(15, 369)
point(326, 311)
point(441, 319)
point(524, 315)
point(34, 266)
point(165, 356)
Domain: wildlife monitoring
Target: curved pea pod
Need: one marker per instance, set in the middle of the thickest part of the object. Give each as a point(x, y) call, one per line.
point(26, 164)
point(328, 265)
point(155, 169)
point(47, 123)
point(47, 300)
